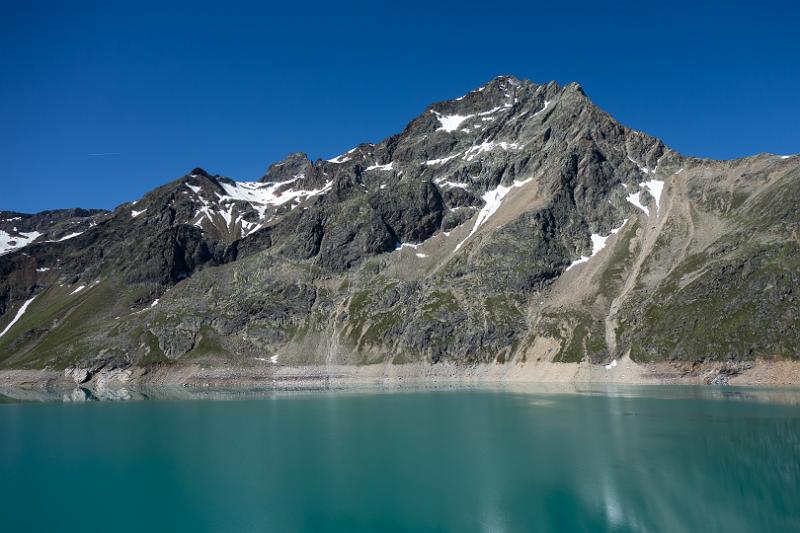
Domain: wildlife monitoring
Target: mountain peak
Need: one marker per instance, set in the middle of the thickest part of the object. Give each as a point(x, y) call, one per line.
point(507, 81)
point(200, 172)
point(498, 87)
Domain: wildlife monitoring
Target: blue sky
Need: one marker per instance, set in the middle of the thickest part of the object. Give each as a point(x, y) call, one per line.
point(232, 88)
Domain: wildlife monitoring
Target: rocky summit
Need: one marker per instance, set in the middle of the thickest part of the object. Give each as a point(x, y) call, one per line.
point(517, 223)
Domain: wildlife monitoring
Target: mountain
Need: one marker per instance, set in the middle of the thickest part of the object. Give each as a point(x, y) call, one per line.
point(518, 223)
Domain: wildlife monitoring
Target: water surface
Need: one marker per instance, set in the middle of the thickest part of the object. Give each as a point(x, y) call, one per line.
point(523, 459)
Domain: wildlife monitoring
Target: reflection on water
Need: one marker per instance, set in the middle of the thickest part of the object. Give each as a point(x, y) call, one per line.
point(514, 458)
point(782, 395)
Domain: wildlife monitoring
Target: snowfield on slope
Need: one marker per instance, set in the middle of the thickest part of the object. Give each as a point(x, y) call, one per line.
point(493, 199)
point(598, 243)
point(22, 309)
point(259, 196)
point(10, 243)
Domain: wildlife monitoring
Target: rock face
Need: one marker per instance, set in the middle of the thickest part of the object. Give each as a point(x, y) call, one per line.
point(78, 375)
point(518, 222)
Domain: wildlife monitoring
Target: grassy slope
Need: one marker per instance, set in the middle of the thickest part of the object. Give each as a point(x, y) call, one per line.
point(738, 298)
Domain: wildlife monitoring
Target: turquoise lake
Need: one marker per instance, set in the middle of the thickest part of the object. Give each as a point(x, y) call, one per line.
point(521, 459)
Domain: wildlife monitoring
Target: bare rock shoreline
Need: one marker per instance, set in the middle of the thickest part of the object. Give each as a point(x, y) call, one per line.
point(756, 373)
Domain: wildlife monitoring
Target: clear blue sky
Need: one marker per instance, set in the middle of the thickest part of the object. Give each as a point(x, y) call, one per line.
point(234, 88)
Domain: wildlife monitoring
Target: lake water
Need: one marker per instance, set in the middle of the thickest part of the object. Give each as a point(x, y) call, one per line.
point(522, 459)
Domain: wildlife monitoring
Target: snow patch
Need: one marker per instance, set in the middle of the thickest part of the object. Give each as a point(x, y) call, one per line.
point(493, 199)
point(493, 110)
point(450, 123)
point(598, 243)
point(452, 184)
point(260, 197)
point(227, 216)
point(135, 213)
point(542, 110)
point(155, 303)
point(274, 359)
point(387, 166)
point(611, 365)
point(9, 243)
point(441, 161)
point(655, 188)
point(343, 158)
point(634, 199)
point(67, 237)
point(248, 228)
point(422, 255)
point(43, 269)
point(488, 146)
point(79, 289)
point(22, 309)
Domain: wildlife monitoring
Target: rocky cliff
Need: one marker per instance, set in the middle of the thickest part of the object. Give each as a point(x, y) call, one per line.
point(517, 223)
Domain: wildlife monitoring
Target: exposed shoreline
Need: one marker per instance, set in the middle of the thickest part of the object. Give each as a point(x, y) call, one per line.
point(758, 373)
